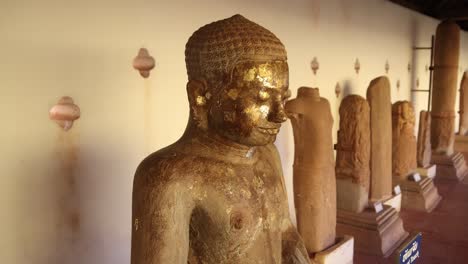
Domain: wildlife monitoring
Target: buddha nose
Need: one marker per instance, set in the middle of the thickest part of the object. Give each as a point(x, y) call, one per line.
point(278, 114)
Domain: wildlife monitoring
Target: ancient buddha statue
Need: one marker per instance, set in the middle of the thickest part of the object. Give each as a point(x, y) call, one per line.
point(217, 195)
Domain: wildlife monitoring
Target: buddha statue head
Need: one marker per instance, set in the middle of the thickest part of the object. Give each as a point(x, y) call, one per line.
point(237, 81)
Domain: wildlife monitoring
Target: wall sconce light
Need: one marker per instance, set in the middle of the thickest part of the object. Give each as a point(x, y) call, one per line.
point(398, 85)
point(417, 82)
point(314, 65)
point(143, 62)
point(357, 66)
point(426, 68)
point(409, 67)
point(337, 89)
point(387, 66)
point(64, 113)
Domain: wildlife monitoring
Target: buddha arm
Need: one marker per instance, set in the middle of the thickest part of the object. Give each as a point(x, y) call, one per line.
point(294, 251)
point(160, 231)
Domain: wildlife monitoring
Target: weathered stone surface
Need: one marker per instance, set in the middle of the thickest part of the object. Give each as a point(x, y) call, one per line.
point(463, 128)
point(424, 151)
point(403, 141)
point(378, 96)
point(314, 170)
point(446, 56)
point(353, 154)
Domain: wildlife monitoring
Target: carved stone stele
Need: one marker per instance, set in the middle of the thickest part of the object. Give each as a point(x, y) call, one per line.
point(217, 195)
point(353, 154)
point(375, 231)
point(378, 96)
point(314, 169)
point(418, 194)
point(424, 140)
point(403, 141)
point(463, 128)
point(446, 56)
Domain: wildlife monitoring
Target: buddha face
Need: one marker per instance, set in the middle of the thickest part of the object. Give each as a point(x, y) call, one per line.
point(250, 109)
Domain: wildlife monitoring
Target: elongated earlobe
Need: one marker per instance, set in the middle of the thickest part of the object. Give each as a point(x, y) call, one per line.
point(196, 90)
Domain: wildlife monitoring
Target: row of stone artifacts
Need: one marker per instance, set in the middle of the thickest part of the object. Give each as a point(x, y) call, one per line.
point(217, 195)
point(380, 166)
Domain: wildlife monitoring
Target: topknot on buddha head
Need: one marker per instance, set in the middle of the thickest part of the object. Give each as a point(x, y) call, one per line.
point(214, 50)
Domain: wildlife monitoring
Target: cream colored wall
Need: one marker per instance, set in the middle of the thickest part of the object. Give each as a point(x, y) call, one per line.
point(66, 197)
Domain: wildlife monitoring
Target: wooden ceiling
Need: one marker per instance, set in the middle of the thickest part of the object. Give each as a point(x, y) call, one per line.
point(440, 9)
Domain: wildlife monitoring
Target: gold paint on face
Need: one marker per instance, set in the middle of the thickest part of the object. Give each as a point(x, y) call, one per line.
point(252, 107)
point(233, 93)
point(263, 95)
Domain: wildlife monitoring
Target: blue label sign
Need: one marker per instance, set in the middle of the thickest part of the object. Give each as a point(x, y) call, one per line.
point(412, 251)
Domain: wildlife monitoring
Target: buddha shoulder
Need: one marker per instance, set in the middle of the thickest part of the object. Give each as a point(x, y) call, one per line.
point(171, 165)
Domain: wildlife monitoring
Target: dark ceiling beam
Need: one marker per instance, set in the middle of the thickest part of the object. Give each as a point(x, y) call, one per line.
point(455, 14)
point(441, 5)
point(410, 5)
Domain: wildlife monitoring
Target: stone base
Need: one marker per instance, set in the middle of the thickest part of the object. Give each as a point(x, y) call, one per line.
point(394, 201)
point(450, 167)
point(429, 171)
point(374, 233)
point(420, 196)
point(340, 253)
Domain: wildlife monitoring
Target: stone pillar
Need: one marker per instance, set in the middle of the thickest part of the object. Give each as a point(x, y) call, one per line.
point(463, 128)
point(314, 171)
point(403, 141)
point(353, 154)
point(446, 55)
point(424, 140)
point(378, 96)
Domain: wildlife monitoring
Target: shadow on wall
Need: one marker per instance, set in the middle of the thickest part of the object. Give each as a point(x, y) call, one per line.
point(72, 190)
point(49, 215)
point(70, 211)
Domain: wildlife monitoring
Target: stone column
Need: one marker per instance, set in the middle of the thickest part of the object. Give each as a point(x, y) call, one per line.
point(353, 155)
point(446, 55)
point(378, 96)
point(314, 171)
point(463, 128)
point(403, 141)
point(424, 140)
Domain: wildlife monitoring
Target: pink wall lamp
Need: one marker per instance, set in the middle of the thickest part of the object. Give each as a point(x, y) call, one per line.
point(143, 62)
point(64, 113)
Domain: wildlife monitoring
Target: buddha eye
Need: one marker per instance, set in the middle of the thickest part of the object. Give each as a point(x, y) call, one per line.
point(263, 95)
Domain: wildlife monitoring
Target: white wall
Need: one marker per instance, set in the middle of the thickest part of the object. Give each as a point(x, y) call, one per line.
point(66, 197)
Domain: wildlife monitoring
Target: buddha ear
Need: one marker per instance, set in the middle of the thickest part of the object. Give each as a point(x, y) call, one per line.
point(196, 91)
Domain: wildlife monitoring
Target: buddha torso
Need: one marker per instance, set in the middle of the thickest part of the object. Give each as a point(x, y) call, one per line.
point(237, 204)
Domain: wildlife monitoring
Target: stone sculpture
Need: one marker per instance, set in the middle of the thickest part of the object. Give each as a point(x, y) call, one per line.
point(463, 128)
point(353, 154)
point(314, 168)
point(378, 95)
point(450, 164)
point(446, 56)
point(403, 141)
point(424, 140)
point(217, 195)
point(364, 144)
point(418, 193)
